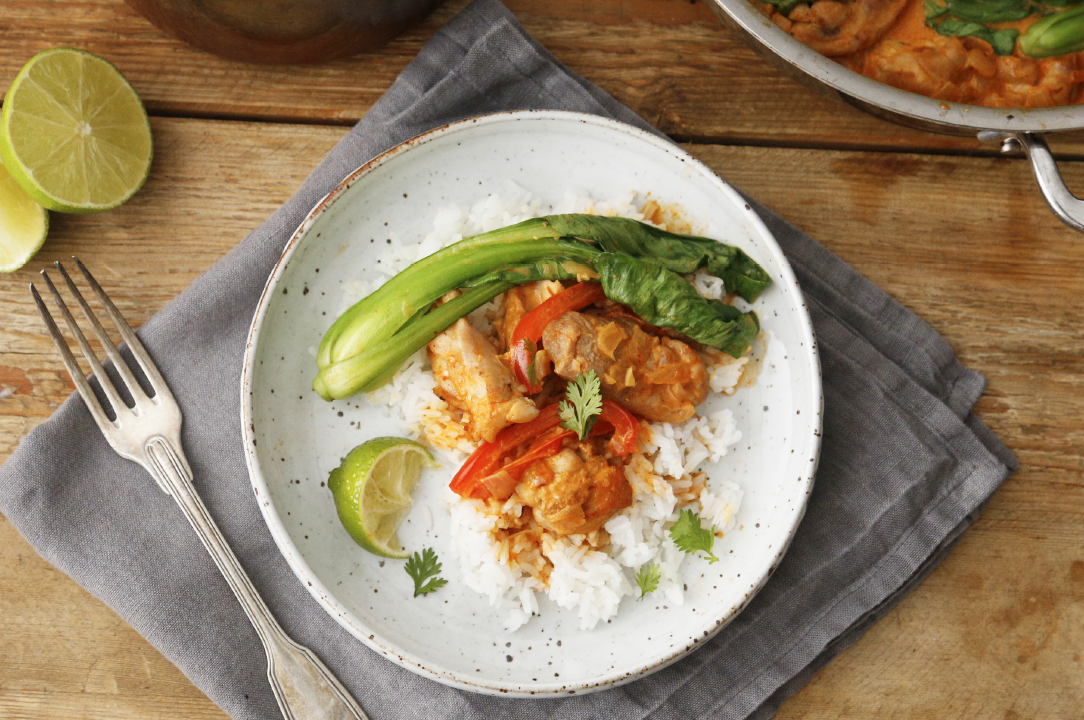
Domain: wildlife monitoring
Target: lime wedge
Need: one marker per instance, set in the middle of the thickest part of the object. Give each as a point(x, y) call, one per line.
point(73, 132)
point(23, 224)
point(372, 490)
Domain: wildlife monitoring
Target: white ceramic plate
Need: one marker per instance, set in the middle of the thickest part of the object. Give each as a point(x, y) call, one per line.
point(293, 439)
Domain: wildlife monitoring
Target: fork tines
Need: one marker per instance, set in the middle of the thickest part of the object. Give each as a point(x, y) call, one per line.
point(131, 385)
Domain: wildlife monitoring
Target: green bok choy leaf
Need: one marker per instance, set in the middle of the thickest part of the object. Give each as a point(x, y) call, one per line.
point(667, 300)
point(370, 341)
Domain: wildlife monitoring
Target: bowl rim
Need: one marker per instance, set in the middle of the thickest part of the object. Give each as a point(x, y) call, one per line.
point(901, 104)
point(311, 581)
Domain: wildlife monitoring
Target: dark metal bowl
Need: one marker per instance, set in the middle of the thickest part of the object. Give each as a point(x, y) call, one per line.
point(284, 32)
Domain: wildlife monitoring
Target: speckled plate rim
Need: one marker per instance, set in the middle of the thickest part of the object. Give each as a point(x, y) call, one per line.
point(315, 586)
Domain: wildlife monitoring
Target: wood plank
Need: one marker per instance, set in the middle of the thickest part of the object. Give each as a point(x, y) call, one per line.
point(994, 632)
point(66, 655)
point(671, 61)
point(964, 241)
point(205, 193)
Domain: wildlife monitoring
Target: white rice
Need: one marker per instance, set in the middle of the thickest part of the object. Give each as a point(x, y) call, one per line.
point(663, 475)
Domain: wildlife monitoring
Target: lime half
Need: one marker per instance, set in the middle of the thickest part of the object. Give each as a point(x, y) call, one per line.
point(73, 132)
point(23, 224)
point(372, 490)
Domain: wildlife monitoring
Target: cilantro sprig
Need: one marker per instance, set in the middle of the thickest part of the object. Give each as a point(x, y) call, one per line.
point(690, 537)
point(648, 578)
point(421, 567)
point(583, 403)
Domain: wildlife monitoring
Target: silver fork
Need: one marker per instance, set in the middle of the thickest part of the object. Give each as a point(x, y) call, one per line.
point(149, 433)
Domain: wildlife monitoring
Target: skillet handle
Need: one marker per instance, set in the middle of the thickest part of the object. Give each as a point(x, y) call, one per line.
point(1068, 207)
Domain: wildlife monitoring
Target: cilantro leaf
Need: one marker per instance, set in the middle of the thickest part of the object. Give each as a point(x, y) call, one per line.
point(689, 536)
point(648, 578)
point(422, 566)
point(584, 403)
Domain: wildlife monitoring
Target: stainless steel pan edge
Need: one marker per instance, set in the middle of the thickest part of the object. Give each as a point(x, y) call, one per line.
point(1015, 129)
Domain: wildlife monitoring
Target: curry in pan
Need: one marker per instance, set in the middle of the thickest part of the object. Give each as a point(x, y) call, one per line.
point(997, 53)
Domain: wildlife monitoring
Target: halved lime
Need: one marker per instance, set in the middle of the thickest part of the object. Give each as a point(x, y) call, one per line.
point(372, 490)
point(23, 224)
point(73, 132)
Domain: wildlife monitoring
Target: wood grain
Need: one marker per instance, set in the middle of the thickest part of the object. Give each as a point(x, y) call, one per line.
point(66, 655)
point(211, 183)
point(671, 61)
point(996, 631)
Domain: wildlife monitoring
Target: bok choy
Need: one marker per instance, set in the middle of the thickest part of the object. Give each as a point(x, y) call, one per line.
point(1057, 34)
point(638, 264)
point(667, 300)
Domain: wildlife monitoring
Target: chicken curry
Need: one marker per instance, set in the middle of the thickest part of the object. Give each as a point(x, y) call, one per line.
point(996, 53)
point(572, 484)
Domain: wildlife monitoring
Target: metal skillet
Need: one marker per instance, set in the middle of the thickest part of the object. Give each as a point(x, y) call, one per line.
point(1015, 129)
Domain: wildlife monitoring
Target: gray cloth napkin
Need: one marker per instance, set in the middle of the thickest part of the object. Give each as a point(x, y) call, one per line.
point(904, 469)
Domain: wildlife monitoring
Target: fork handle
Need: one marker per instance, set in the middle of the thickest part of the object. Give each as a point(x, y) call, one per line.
point(304, 687)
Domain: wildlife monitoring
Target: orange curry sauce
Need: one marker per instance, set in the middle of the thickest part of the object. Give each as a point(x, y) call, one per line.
point(888, 40)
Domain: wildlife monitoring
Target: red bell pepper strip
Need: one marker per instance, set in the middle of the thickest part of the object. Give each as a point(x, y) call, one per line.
point(482, 476)
point(523, 355)
point(484, 461)
point(626, 427)
point(502, 483)
point(532, 324)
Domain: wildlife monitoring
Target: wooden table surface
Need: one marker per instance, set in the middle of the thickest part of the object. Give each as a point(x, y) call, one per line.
point(952, 230)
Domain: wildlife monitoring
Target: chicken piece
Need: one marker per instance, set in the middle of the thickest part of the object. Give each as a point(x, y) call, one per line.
point(1026, 82)
point(835, 28)
point(660, 379)
point(965, 70)
point(470, 376)
point(519, 301)
point(575, 491)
